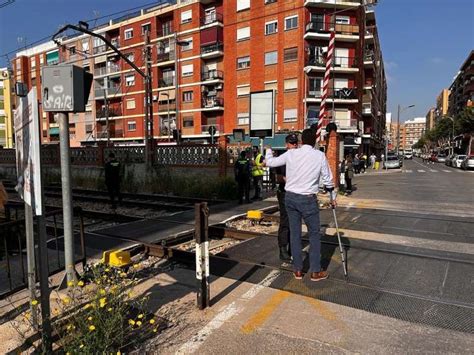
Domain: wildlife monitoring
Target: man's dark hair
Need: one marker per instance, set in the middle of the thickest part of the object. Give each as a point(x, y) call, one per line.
point(308, 137)
point(243, 154)
point(111, 155)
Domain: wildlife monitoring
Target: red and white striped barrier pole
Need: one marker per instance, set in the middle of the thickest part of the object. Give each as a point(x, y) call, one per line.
point(327, 73)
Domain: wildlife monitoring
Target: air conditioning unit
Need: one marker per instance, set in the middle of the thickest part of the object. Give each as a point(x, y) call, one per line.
point(219, 87)
point(155, 97)
point(204, 89)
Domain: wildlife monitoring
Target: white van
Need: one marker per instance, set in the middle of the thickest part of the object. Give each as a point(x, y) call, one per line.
point(408, 153)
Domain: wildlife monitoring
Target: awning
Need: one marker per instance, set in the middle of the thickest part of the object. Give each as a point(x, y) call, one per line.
point(54, 131)
point(52, 57)
point(163, 96)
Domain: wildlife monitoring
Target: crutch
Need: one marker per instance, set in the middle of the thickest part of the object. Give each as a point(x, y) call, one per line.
point(343, 258)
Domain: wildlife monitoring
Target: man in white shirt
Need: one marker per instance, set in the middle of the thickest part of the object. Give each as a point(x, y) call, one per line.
point(305, 166)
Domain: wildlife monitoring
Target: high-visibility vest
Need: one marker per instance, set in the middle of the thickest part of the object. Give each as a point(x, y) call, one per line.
point(257, 168)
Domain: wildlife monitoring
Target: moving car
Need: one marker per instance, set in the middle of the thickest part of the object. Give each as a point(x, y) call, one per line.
point(408, 154)
point(441, 158)
point(392, 162)
point(457, 160)
point(468, 162)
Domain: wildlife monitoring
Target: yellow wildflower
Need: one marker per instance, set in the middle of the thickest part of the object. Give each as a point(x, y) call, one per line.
point(139, 323)
point(109, 309)
point(119, 353)
point(80, 283)
point(66, 300)
point(87, 306)
point(155, 330)
point(131, 322)
point(152, 321)
point(34, 302)
point(91, 328)
point(123, 274)
point(102, 291)
point(90, 318)
point(81, 346)
point(103, 302)
point(70, 283)
point(140, 316)
point(136, 266)
point(69, 327)
point(107, 270)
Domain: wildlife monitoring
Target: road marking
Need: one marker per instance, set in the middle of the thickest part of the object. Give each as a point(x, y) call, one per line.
point(421, 171)
point(225, 314)
point(265, 312)
point(433, 170)
point(447, 171)
point(408, 171)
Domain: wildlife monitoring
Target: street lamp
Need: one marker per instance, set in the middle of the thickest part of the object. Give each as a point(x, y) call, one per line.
point(400, 110)
point(452, 144)
point(176, 74)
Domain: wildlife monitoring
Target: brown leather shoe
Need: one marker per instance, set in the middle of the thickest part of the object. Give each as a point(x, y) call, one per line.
point(318, 276)
point(298, 275)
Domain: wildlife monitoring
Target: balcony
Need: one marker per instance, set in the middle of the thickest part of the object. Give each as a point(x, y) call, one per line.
point(213, 103)
point(165, 31)
point(369, 34)
point(205, 128)
point(100, 71)
point(344, 125)
point(343, 95)
point(211, 18)
point(340, 64)
point(165, 57)
point(367, 108)
point(321, 30)
point(212, 50)
point(165, 82)
point(111, 91)
point(115, 42)
point(100, 49)
point(113, 112)
point(340, 4)
point(165, 108)
point(212, 75)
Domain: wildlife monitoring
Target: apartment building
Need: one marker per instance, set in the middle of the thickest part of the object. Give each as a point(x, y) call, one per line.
point(430, 119)
point(207, 56)
point(6, 118)
point(412, 132)
point(442, 105)
point(462, 88)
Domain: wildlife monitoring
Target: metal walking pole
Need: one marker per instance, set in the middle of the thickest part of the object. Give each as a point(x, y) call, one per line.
point(341, 250)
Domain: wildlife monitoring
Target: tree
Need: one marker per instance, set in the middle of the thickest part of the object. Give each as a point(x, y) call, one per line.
point(464, 122)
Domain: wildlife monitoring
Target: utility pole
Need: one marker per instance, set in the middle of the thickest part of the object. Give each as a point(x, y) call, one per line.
point(149, 99)
point(107, 116)
point(176, 86)
point(398, 130)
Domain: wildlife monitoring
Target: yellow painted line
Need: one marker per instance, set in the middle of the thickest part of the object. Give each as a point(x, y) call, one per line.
point(264, 312)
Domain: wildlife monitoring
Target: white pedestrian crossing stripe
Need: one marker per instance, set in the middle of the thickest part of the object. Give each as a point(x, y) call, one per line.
point(408, 171)
point(447, 171)
point(433, 170)
point(421, 171)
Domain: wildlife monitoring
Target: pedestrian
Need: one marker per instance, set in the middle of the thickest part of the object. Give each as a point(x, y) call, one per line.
point(3, 197)
point(242, 172)
point(305, 166)
point(113, 179)
point(372, 160)
point(363, 163)
point(342, 174)
point(291, 141)
point(257, 173)
point(356, 164)
point(348, 174)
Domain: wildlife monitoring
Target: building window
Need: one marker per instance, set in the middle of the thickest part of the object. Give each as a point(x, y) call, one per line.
point(243, 62)
point(271, 58)
point(130, 104)
point(85, 45)
point(314, 87)
point(243, 118)
point(188, 96)
point(188, 122)
point(189, 46)
point(271, 27)
point(128, 33)
point(41, 59)
point(343, 20)
point(290, 54)
point(146, 27)
point(130, 57)
point(271, 85)
point(89, 128)
point(290, 115)
point(243, 90)
point(243, 5)
point(33, 62)
point(130, 80)
point(188, 70)
point(270, 1)
point(291, 22)
point(186, 16)
point(132, 125)
point(72, 50)
point(291, 84)
point(243, 33)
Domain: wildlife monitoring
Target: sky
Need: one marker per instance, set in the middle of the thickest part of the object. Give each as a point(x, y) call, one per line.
point(424, 42)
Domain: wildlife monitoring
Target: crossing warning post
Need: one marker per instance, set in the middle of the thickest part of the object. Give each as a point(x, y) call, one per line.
point(201, 235)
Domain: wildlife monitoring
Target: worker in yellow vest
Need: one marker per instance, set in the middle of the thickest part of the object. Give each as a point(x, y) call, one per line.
point(257, 173)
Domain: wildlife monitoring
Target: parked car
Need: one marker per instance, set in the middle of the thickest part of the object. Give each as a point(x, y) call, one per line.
point(449, 160)
point(457, 160)
point(468, 162)
point(392, 162)
point(441, 158)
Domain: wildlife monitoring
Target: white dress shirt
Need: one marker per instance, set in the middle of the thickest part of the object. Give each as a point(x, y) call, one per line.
point(304, 167)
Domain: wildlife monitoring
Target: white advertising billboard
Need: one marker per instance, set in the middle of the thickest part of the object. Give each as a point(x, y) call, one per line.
point(28, 144)
point(262, 114)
